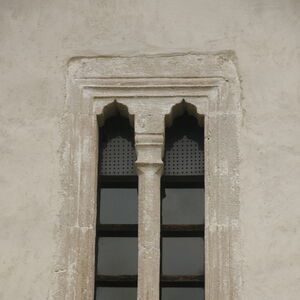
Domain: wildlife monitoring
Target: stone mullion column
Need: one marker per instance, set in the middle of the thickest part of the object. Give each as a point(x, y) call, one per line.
point(149, 165)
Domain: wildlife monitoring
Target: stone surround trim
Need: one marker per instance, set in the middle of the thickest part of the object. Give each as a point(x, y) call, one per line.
point(151, 90)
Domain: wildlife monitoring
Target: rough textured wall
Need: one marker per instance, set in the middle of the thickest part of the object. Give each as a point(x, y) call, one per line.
point(37, 40)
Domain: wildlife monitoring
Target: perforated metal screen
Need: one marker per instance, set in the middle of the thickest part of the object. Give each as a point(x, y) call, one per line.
point(117, 155)
point(184, 148)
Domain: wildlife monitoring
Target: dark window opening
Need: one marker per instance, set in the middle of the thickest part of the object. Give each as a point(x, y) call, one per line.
point(117, 218)
point(182, 219)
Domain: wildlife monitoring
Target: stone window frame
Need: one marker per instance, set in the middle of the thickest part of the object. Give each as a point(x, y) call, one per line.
point(150, 89)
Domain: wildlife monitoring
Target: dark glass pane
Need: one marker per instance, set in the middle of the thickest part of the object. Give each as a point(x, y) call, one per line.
point(182, 294)
point(183, 206)
point(117, 256)
point(118, 206)
point(184, 256)
point(107, 293)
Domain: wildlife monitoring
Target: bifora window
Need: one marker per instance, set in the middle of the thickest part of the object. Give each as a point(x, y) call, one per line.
point(182, 212)
point(150, 89)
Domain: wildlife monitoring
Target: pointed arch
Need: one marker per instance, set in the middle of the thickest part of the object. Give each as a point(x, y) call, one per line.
point(112, 109)
point(179, 109)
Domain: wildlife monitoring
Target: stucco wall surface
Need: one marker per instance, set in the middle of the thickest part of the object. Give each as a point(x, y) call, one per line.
point(37, 39)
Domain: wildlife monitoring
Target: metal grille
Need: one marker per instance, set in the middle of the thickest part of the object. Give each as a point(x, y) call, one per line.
point(184, 151)
point(117, 155)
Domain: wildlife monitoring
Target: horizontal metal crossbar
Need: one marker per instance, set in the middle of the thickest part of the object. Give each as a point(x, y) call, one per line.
point(116, 280)
point(182, 230)
point(167, 181)
point(166, 281)
point(180, 182)
point(182, 281)
point(131, 230)
point(117, 230)
point(118, 181)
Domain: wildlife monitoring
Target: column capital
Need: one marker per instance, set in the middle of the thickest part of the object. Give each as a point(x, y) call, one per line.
point(149, 148)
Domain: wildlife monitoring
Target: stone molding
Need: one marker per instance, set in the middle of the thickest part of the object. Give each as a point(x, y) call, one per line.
point(151, 89)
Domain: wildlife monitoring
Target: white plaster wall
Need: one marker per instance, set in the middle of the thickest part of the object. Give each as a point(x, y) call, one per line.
point(37, 38)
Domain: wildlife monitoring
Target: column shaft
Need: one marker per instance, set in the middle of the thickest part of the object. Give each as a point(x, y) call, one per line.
point(149, 169)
